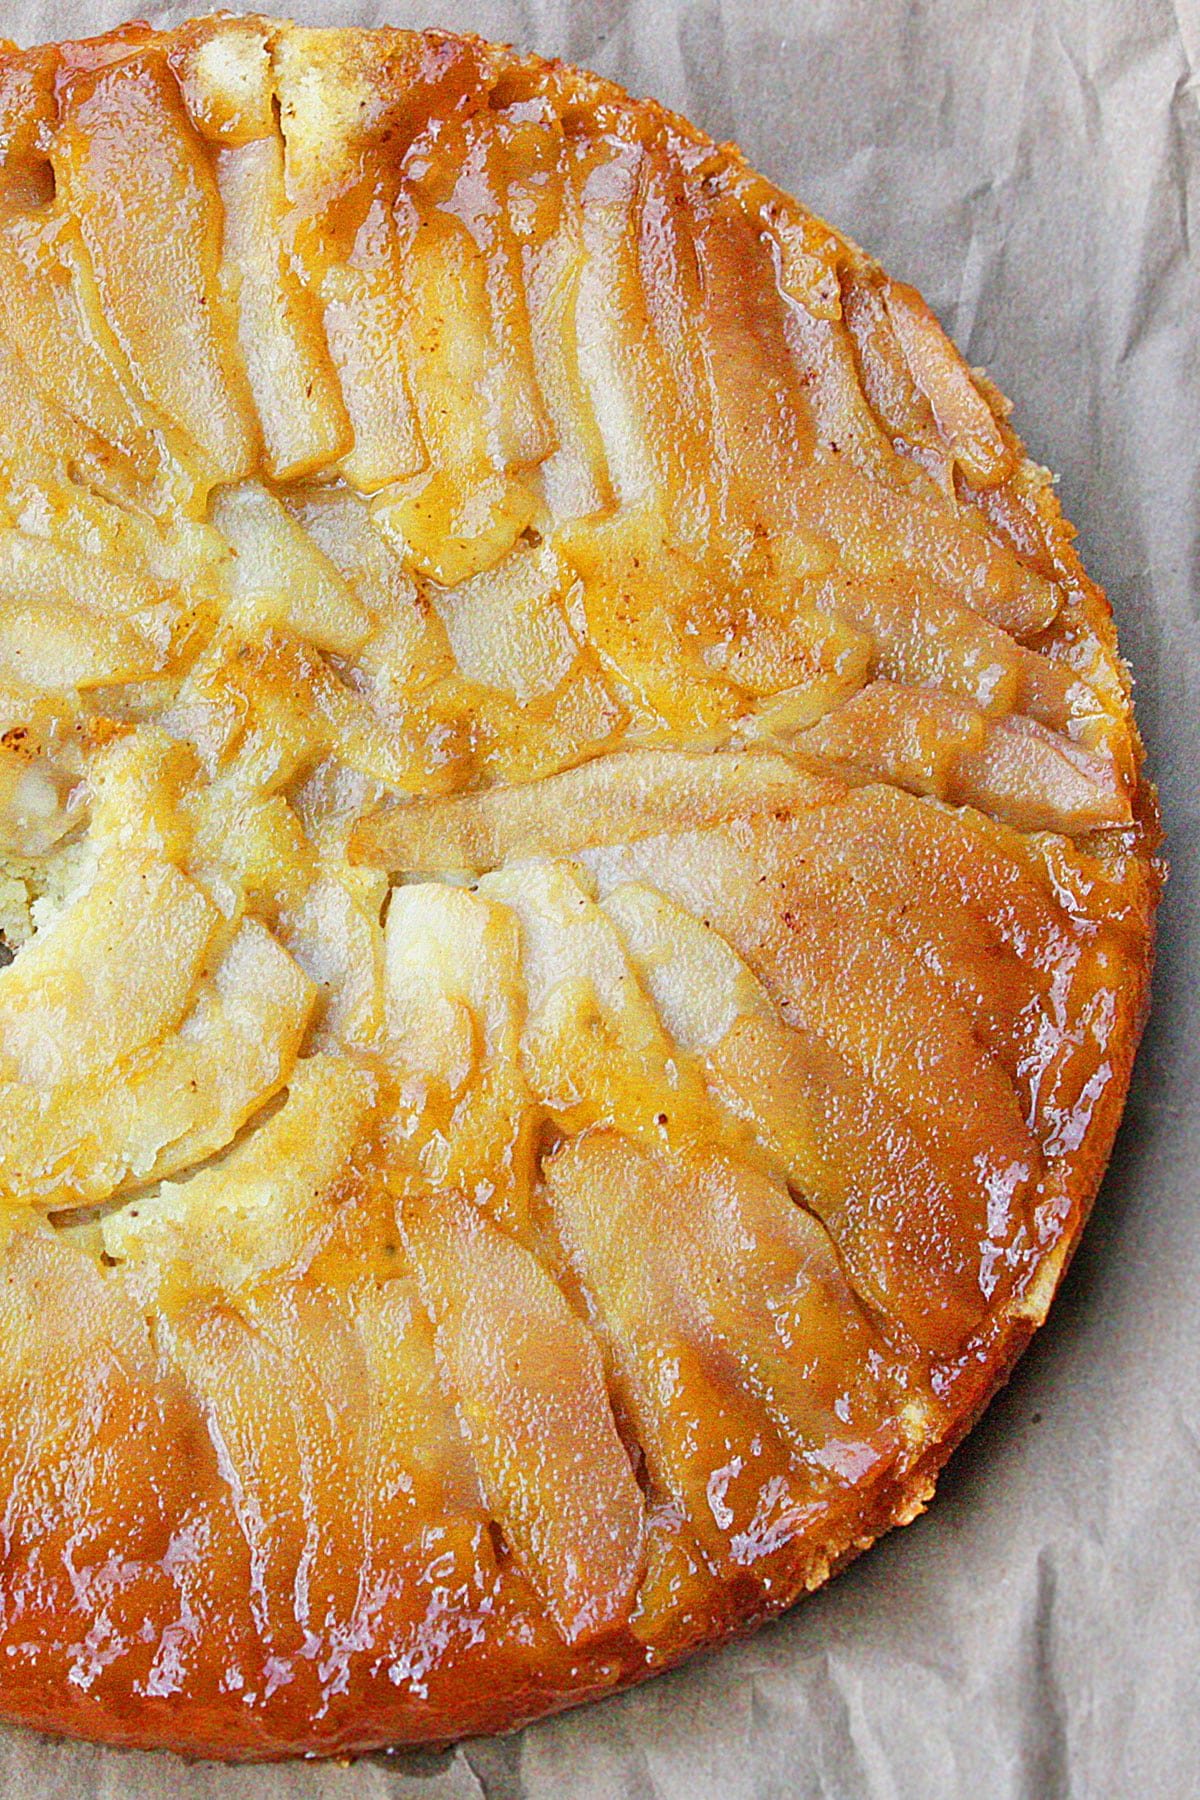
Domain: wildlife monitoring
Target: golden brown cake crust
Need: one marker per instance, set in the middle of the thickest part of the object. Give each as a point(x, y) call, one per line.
point(579, 883)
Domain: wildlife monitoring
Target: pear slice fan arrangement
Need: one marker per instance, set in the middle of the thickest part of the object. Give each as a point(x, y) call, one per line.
point(576, 877)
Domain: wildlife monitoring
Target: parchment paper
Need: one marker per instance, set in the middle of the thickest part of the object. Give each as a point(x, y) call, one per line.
point(1033, 166)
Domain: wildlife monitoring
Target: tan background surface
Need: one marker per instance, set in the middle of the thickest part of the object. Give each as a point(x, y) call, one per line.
point(1035, 169)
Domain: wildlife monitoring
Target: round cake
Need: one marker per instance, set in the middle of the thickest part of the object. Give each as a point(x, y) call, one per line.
point(576, 890)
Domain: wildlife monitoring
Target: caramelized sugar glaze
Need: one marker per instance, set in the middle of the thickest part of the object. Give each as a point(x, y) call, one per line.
point(579, 883)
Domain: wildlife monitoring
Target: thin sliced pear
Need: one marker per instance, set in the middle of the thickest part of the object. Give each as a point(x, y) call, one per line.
point(455, 997)
point(608, 344)
point(766, 1283)
point(171, 1105)
point(68, 619)
point(574, 477)
point(521, 427)
point(113, 972)
point(420, 1462)
point(300, 407)
point(280, 579)
point(805, 1106)
point(335, 936)
point(56, 647)
point(763, 426)
point(356, 276)
point(408, 650)
point(592, 1047)
point(225, 72)
point(52, 316)
point(530, 1390)
point(873, 1033)
point(894, 1212)
point(908, 531)
point(366, 325)
point(627, 795)
point(469, 510)
point(123, 131)
point(102, 1451)
point(925, 639)
point(698, 982)
point(964, 418)
point(1040, 780)
point(282, 1386)
point(508, 627)
point(257, 1209)
point(709, 1444)
point(932, 743)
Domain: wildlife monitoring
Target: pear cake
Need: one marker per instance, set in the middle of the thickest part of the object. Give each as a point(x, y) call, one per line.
point(577, 890)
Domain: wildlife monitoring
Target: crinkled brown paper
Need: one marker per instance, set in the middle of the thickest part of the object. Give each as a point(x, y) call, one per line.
point(1035, 170)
